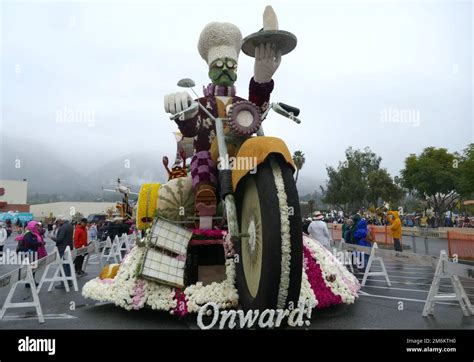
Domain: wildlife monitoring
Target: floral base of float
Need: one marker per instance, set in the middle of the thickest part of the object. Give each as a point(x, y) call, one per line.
point(325, 282)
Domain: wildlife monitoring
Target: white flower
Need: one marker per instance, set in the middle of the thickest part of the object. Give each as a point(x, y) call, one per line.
point(224, 294)
point(345, 284)
point(285, 236)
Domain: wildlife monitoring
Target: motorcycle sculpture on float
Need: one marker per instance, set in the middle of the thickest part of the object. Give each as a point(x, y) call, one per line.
point(237, 195)
point(258, 190)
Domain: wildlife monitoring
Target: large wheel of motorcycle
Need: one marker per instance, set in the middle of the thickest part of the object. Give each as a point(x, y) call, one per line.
point(271, 256)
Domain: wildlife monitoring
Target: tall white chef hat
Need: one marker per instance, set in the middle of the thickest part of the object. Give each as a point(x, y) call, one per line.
point(220, 40)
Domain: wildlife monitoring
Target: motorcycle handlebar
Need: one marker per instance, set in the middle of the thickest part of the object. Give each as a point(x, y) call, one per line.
point(290, 109)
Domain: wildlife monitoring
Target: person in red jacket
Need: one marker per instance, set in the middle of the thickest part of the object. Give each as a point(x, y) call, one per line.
point(80, 241)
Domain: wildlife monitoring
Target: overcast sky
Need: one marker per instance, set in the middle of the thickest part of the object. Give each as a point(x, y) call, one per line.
point(357, 67)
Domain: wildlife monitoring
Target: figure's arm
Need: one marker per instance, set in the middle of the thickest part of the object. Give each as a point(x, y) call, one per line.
point(177, 102)
point(188, 127)
point(267, 61)
point(259, 93)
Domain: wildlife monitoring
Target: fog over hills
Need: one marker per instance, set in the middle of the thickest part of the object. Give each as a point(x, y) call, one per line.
point(51, 177)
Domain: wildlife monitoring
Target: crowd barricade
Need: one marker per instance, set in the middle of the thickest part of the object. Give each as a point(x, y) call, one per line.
point(445, 269)
point(461, 245)
point(382, 234)
point(336, 231)
point(24, 276)
point(59, 274)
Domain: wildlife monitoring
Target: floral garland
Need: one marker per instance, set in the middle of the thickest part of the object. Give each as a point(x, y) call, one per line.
point(307, 296)
point(285, 236)
point(161, 297)
point(138, 300)
point(325, 282)
point(326, 268)
point(322, 292)
point(224, 294)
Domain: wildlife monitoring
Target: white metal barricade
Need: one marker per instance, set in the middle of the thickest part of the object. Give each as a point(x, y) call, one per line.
point(59, 273)
point(124, 244)
point(111, 250)
point(373, 258)
point(447, 270)
point(22, 276)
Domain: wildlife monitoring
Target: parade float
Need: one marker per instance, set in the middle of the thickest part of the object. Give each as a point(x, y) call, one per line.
point(227, 228)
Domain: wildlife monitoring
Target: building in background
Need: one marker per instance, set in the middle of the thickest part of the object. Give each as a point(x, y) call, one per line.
point(71, 208)
point(13, 195)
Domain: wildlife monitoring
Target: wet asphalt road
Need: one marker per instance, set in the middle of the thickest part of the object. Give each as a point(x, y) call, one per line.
point(378, 307)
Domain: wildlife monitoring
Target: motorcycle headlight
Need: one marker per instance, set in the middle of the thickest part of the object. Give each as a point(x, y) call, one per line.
point(244, 118)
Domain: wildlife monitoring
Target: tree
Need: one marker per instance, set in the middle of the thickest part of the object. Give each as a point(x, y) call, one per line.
point(311, 206)
point(381, 186)
point(435, 175)
point(358, 182)
point(465, 181)
point(299, 160)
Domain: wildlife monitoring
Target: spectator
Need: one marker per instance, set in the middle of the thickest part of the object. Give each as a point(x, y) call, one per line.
point(466, 222)
point(9, 227)
point(318, 230)
point(33, 243)
point(395, 229)
point(93, 233)
point(42, 248)
point(117, 228)
point(350, 235)
point(306, 223)
point(63, 239)
point(3, 236)
point(346, 227)
point(360, 238)
point(101, 228)
point(80, 241)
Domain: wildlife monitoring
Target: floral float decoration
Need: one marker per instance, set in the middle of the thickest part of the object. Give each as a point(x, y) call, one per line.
point(153, 273)
point(325, 282)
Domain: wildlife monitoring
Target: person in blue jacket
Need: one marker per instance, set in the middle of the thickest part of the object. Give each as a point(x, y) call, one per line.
point(360, 238)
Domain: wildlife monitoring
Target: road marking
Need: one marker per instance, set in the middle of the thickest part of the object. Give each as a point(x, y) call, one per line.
point(404, 266)
point(421, 278)
point(407, 289)
point(408, 283)
point(404, 272)
point(406, 299)
point(46, 316)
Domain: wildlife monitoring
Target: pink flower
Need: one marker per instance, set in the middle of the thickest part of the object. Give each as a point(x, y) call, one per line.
point(138, 299)
point(323, 293)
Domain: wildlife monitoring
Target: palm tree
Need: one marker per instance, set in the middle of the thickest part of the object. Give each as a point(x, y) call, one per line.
point(298, 159)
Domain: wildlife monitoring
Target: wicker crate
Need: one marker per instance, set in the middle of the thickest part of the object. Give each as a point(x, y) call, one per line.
point(169, 236)
point(163, 267)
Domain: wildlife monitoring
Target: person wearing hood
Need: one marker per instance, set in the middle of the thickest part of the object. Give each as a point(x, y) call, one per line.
point(395, 229)
point(32, 242)
point(352, 229)
point(360, 238)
